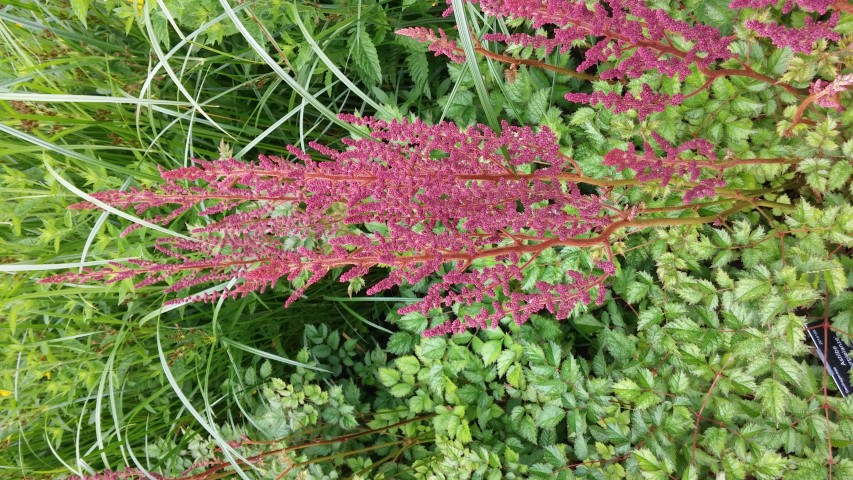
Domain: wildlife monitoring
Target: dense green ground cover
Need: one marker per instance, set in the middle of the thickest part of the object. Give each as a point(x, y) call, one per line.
point(695, 365)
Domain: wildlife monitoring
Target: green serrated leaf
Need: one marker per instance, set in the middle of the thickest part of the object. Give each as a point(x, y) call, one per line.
point(266, 369)
point(527, 429)
point(514, 375)
point(537, 105)
point(504, 361)
point(550, 416)
point(432, 349)
point(388, 376)
point(839, 174)
point(636, 291)
point(746, 106)
point(738, 130)
point(816, 171)
point(408, 365)
point(365, 57)
point(421, 402)
point(80, 9)
point(555, 456)
point(490, 351)
point(651, 466)
point(777, 61)
point(752, 289)
point(723, 88)
point(627, 390)
point(400, 390)
point(401, 343)
point(419, 71)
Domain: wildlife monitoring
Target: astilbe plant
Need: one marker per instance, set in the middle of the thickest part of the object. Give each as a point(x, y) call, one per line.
point(441, 196)
point(799, 39)
point(424, 199)
point(631, 39)
point(642, 39)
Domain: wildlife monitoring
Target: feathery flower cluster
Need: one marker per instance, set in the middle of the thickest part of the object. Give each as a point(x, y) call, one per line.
point(443, 196)
point(441, 44)
point(799, 39)
point(646, 103)
point(819, 6)
point(828, 94)
point(621, 26)
point(130, 473)
point(649, 166)
point(641, 37)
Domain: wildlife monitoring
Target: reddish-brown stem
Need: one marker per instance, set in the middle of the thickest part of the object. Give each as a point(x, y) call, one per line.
point(533, 63)
point(826, 327)
point(600, 239)
point(702, 409)
point(683, 207)
point(749, 161)
point(798, 115)
point(403, 260)
point(661, 47)
point(724, 192)
point(754, 75)
point(734, 162)
point(700, 89)
point(182, 199)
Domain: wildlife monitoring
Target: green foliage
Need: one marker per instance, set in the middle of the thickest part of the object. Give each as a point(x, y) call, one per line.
point(695, 366)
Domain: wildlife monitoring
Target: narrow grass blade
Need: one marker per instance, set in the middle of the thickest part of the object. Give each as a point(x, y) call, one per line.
point(106, 377)
point(59, 149)
point(271, 356)
point(155, 45)
point(275, 126)
point(226, 449)
point(180, 303)
point(58, 457)
point(371, 299)
point(362, 319)
point(136, 462)
point(31, 267)
point(98, 224)
point(57, 98)
point(459, 7)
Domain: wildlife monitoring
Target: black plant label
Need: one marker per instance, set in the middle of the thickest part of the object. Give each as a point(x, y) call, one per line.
point(834, 354)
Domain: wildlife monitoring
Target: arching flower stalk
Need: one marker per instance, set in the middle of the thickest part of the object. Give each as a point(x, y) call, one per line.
point(416, 199)
point(630, 39)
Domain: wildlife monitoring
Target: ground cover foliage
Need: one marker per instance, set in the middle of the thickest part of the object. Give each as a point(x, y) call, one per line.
point(715, 136)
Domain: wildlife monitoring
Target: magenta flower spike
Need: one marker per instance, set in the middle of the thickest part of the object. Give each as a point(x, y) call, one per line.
point(444, 197)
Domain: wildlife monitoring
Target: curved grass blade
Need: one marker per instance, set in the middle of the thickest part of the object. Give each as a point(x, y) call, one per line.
point(232, 455)
point(270, 356)
point(471, 60)
point(64, 98)
point(362, 319)
point(71, 153)
point(98, 224)
point(155, 46)
point(262, 53)
point(32, 267)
